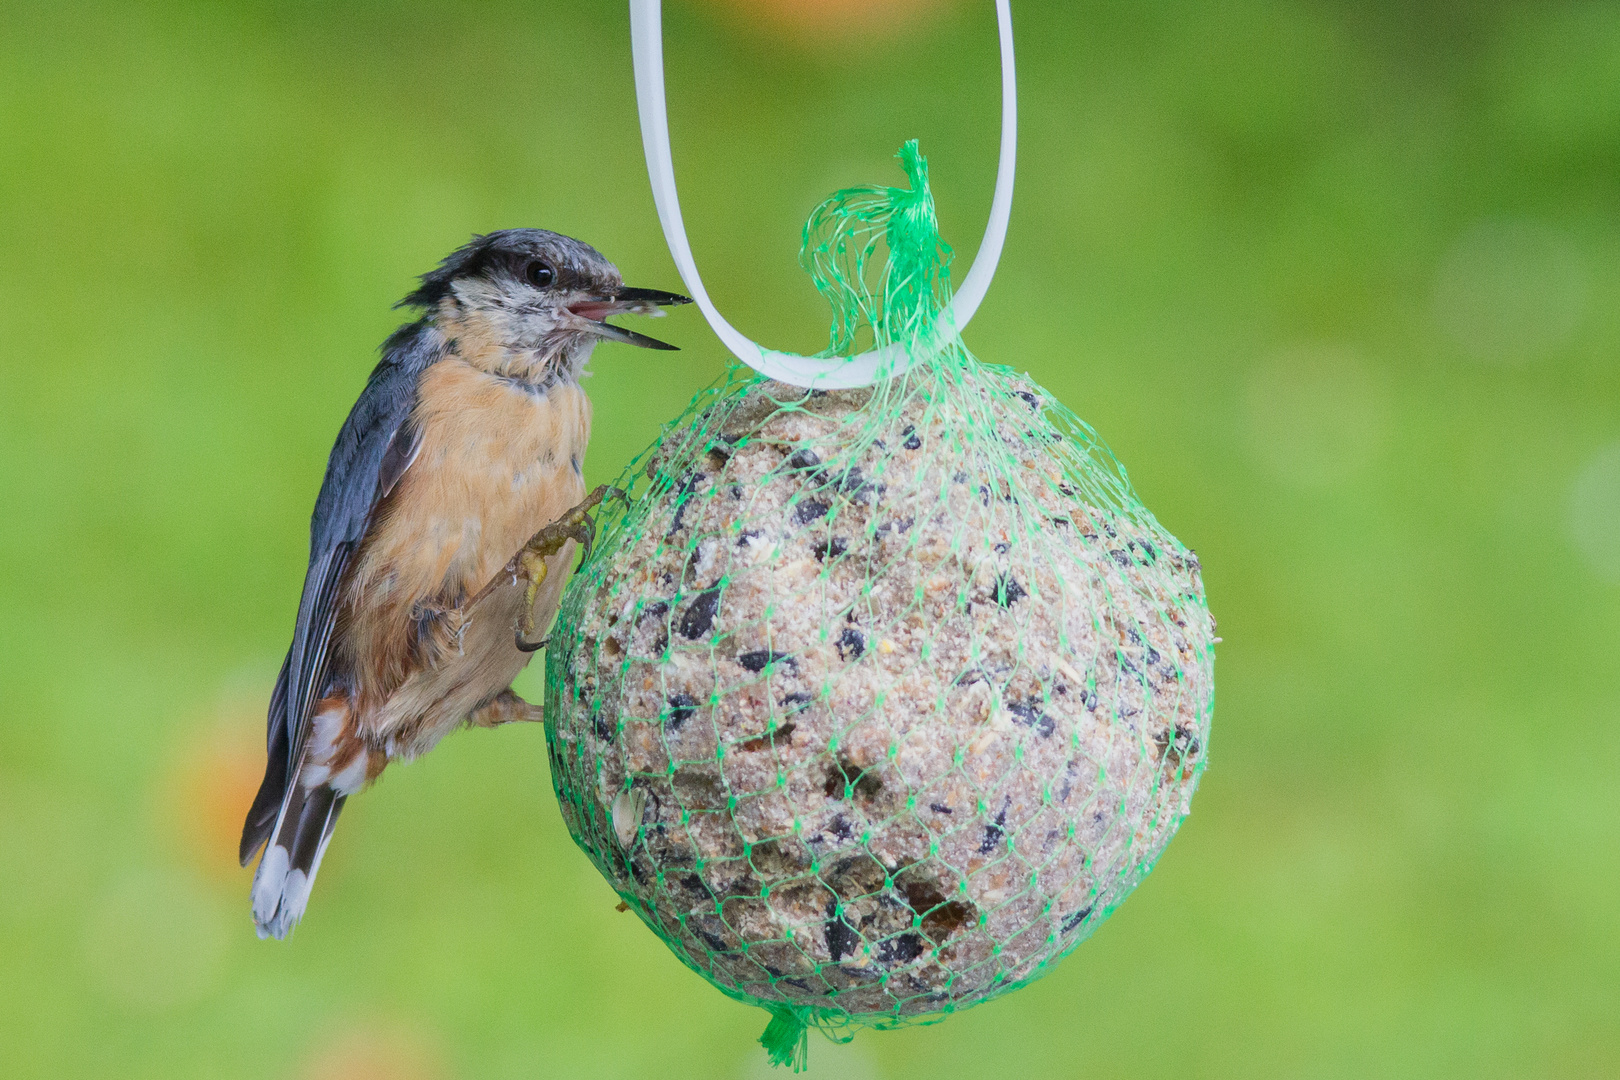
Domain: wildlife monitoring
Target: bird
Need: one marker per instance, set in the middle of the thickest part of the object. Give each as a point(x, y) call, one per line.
point(453, 502)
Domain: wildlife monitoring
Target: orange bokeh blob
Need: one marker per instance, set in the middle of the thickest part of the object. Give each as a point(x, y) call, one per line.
point(837, 19)
point(208, 788)
point(370, 1051)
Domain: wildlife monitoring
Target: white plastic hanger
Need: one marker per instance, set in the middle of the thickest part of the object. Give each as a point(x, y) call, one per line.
point(825, 373)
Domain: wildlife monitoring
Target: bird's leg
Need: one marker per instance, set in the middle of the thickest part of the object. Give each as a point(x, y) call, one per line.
point(529, 564)
point(504, 708)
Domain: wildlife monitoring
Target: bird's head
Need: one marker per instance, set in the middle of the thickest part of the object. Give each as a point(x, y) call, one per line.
point(537, 295)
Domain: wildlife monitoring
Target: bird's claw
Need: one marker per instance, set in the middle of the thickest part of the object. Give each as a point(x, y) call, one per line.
point(530, 563)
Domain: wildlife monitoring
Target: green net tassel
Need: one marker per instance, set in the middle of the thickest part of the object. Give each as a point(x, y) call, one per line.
point(786, 1039)
point(841, 240)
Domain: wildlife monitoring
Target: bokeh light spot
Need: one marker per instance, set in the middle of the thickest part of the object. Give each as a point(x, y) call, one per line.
point(1314, 415)
point(156, 940)
point(808, 20)
point(376, 1051)
point(209, 787)
point(1509, 292)
point(1594, 511)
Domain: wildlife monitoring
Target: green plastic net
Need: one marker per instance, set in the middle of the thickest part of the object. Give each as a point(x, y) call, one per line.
point(874, 703)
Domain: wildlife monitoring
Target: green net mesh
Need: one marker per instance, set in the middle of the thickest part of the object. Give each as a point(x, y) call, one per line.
point(874, 703)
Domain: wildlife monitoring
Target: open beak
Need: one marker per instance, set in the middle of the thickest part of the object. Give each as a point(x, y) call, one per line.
point(626, 301)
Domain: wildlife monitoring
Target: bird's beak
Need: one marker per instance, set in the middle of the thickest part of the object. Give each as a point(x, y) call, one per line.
point(595, 310)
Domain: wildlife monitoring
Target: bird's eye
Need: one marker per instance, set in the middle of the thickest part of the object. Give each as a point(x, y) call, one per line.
point(540, 275)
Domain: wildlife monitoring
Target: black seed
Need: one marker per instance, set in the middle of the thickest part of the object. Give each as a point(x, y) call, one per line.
point(984, 494)
point(1076, 919)
point(1177, 744)
point(1152, 655)
point(696, 885)
point(655, 610)
point(1033, 401)
point(768, 740)
point(846, 778)
point(1003, 547)
point(605, 729)
point(681, 708)
point(900, 949)
point(857, 486)
point(840, 827)
point(959, 478)
point(809, 510)
point(940, 808)
point(747, 535)
point(714, 941)
point(796, 701)
point(804, 459)
point(913, 440)
point(1030, 715)
point(831, 549)
point(759, 658)
point(841, 937)
point(994, 831)
point(1120, 557)
point(686, 500)
point(699, 617)
point(850, 644)
point(1008, 590)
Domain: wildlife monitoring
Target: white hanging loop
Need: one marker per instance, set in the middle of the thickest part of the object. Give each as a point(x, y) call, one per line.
point(825, 373)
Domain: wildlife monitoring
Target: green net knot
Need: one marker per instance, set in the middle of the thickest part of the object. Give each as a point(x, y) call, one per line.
point(787, 1038)
point(841, 238)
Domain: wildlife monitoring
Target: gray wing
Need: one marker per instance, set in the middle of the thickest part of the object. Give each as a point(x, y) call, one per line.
point(374, 448)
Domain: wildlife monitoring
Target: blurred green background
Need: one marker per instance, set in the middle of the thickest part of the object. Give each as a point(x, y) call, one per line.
point(1338, 281)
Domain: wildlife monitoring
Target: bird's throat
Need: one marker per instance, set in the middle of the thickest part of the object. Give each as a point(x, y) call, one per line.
point(511, 348)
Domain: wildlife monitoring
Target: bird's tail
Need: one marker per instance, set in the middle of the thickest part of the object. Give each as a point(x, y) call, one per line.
point(332, 768)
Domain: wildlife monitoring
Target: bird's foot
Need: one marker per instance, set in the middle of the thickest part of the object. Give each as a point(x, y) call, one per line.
point(529, 564)
point(505, 708)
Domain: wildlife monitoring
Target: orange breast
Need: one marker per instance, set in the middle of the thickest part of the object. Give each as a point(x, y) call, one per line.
point(497, 463)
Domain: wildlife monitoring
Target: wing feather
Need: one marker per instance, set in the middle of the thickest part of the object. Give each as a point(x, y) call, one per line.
point(374, 448)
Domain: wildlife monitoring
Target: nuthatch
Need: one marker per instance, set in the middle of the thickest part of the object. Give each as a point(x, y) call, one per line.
point(452, 506)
